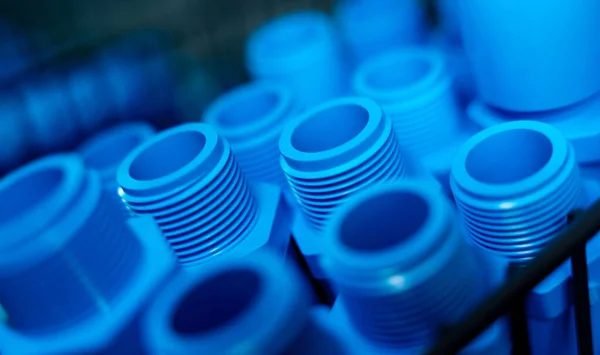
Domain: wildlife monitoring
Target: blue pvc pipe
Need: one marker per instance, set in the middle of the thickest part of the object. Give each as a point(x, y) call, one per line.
point(336, 149)
point(105, 151)
point(414, 88)
point(254, 305)
point(532, 55)
point(372, 27)
point(401, 265)
point(66, 251)
point(302, 51)
point(188, 180)
point(251, 118)
point(514, 185)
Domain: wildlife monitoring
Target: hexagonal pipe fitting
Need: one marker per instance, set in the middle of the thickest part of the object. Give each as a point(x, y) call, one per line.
point(217, 310)
point(69, 256)
point(189, 181)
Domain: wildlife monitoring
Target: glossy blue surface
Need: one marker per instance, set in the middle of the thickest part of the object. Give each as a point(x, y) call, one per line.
point(71, 262)
point(414, 88)
point(301, 50)
point(397, 249)
point(251, 118)
point(188, 180)
point(237, 307)
point(532, 55)
point(372, 27)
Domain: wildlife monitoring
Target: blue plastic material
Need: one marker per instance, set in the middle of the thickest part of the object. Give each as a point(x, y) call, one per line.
point(13, 134)
point(105, 151)
point(401, 265)
point(114, 330)
point(514, 185)
point(578, 123)
point(251, 306)
point(302, 51)
point(251, 118)
point(532, 55)
point(414, 89)
point(188, 180)
point(372, 27)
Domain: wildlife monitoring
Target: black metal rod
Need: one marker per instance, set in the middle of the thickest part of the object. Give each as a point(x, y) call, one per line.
point(556, 253)
point(581, 292)
point(519, 331)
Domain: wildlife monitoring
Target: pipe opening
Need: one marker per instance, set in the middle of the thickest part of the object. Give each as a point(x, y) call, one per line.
point(384, 221)
point(27, 192)
point(111, 152)
point(509, 156)
point(167, 155)
point(330, 128)
point(217, 301)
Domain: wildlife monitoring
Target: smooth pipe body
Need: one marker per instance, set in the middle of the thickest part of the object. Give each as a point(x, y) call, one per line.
point(216, 311)
point(401, 265)
point(303, 52)
point(372, 27)
point(335, 150)
point(532, 55)
point(514, 185)
point(188, 180)
point(251, 118)
point(414, 89)
point(67, 254)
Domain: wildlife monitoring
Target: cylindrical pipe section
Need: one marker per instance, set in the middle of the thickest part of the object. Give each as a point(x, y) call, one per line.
point(401, 264)
point(254, 306)
point(67, 253)
point(251, 118)
point(105, 151)
point(336, 149)
point(514, 185)
point(372, 27)
point(303, 52)
point(414, 89)
point(188, 180)
point(532, 55)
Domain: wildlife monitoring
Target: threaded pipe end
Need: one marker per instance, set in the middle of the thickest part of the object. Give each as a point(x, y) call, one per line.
point(414, 88)
point(336, 149)
point(400, 264)
point(188, 180)
point(514, 185)
point(217, 310)
point(302, 51)
point(251, 118)
point(67, 252)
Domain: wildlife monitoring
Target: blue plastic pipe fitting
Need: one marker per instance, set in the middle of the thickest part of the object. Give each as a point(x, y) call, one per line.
point(414, 89)
point(532, 55)
point(217, 310)
point(188, 180)
point(372, 27)
point(302, 51)
point(336, 149)
point(105, 151)
point(13, 135)
point(514, 185)
point(251, 118)
point(397, 255)
point(66, 254)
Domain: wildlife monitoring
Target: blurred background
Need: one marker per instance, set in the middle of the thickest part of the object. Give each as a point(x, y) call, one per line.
point(69, 68)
